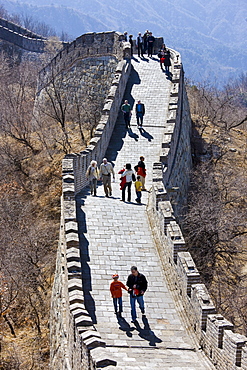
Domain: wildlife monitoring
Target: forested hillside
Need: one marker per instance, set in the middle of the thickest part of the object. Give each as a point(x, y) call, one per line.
point(215, 221)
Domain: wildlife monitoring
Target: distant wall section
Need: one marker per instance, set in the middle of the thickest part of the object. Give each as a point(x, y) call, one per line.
point(21, 37)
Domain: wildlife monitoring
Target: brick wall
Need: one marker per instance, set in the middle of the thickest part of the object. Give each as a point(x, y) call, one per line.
point(171, 176)
point(21, 37)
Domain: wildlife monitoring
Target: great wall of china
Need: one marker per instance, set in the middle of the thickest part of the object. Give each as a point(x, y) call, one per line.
point(76, 341)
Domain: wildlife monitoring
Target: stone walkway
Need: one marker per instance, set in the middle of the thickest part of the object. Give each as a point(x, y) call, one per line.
point(116, 235)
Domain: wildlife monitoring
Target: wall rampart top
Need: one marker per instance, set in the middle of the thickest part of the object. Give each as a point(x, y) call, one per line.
point(171, 176)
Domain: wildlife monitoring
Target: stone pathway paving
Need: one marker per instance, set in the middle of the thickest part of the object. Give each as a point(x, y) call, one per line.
point(116, 235)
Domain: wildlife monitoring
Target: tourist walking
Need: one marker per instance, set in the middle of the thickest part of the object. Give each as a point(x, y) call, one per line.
point(145, 41)
point(130, 176)
point(116, 293)
point(139, 44)
point(150, 42)
point(140, 168)
point(137, 284)
point(161, 55)
point(131, 45)
point(92, 175)
point(138, 187)
point(127, 113)
point(122, 179)
point(167, 61)
point(126, 36)
point(105, 172)
point(140, 111)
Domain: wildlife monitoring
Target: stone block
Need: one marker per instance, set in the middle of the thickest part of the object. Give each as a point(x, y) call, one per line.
point(171, 116)
point(75, 284)
point(169, 129)
point(166, 210)
point(101, 358)
point(95, 140)
point(74, 266)
point(157, 171)
point(76, 296)
point(67, 165)
point(73, 255)
point(72, 240)
point(83, 320)
point(71, 226)
point(68, 178)
point(167, 138)
point(159, 191)
point(232, 347)
point(69, 207)
point(79, 312)
point(90, 333)
point(174, 233)
point(76, 306)
point(94, 342)
point(112, 92)
point(216, 325)
point(202, 305)
point(164, 155)
point(244, 358)
point(187, 272)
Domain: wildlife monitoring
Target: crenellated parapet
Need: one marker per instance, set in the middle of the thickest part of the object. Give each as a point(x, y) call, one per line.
point(90, 45)
point(21, 37)
point(226, 349)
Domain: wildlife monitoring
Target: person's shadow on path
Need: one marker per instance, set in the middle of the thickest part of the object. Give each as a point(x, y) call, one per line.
point(133, 134)
point(145, 134)
point(146, 333)
point(125, 326)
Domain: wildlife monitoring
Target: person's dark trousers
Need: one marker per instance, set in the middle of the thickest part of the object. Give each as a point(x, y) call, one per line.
point(126, 185)
point(150, 50)
point(140, 49)
point(145, 46)
point(167, 69)
point(93, 185)
point(127, 119)
point(139, 117)
point(138, 195)
point(118, 301)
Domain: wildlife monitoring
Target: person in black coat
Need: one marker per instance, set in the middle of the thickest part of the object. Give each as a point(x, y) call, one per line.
point(131, 44)
point(140, 111)
point(137, 284)
point(167, 61)
point(150, 42)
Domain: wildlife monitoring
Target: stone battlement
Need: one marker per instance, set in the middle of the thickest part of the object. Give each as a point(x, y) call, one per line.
point(21, 37)
point(85, 348)
point(226, 349)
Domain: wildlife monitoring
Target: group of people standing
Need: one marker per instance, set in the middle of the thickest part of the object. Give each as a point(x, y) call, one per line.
point(144, 43)
point(106, 171)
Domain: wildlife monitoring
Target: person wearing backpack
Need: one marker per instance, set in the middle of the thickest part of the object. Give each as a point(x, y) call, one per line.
point(130, 176)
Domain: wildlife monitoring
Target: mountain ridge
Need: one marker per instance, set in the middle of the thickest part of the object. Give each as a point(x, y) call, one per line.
point(212, 37)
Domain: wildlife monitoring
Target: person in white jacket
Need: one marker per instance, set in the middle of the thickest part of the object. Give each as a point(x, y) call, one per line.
point(92, 175)
point(130, 176)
